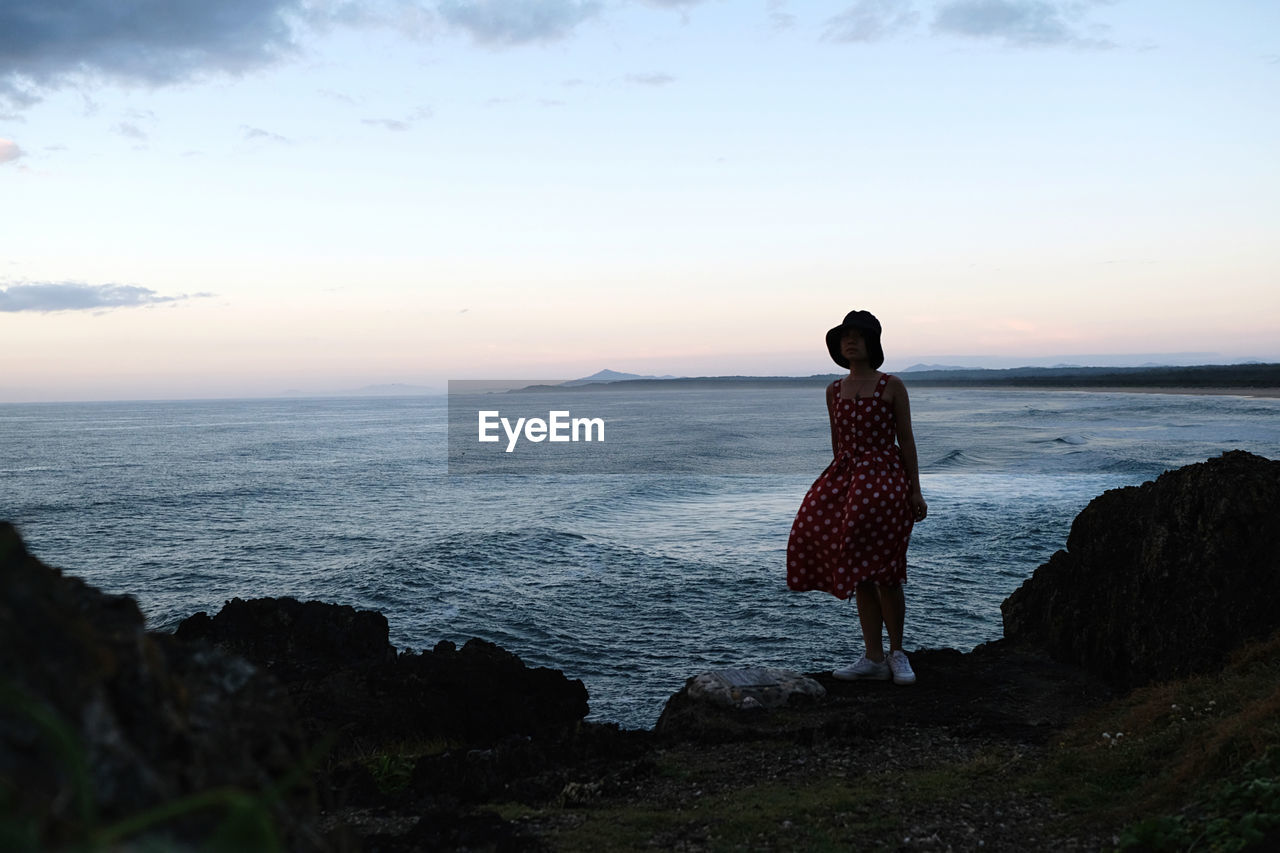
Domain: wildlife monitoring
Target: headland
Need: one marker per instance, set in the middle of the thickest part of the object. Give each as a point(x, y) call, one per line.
point(1255, 380)
point(1131, 703)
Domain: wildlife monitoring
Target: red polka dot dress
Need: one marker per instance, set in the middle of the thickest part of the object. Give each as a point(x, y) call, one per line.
point(855, 521)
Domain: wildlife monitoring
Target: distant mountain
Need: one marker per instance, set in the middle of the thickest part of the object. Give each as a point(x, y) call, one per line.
point(612, 376)
point(394, 389)
point(918, 367)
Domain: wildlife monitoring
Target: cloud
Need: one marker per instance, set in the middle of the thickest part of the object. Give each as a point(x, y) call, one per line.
point(1017, 22)
point(45, 42)
point(252, 133)
point(50, 44)
point(400, 125)
point(341, 97)
point(779, 17)
point(870, 20)
point(74, 296)
point(514, 22)
point(656, 79)
point(9, 151)
point(130, 130)
point(387, 123)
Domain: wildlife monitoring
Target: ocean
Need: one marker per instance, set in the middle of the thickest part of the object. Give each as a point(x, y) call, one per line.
point(631, 571)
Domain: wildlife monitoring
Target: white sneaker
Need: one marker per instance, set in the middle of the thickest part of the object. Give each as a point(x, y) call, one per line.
point(864, 669)
point(901, 668)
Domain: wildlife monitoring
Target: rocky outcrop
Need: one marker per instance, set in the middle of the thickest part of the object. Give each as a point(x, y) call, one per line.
point(347, 681)
point(1161, 580)
point(993, 692)
point(294, 639)
point(753, 688)
point(454, 727)
point(228, 723)
point(101, 721)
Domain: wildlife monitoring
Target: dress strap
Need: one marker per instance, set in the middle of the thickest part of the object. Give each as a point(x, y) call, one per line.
point(878, 393)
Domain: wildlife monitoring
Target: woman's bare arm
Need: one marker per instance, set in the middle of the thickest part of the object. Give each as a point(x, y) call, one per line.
point(907, 441)
point(831, 416)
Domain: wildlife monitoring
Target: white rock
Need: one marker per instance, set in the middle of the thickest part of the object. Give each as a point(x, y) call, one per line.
point(752, 687)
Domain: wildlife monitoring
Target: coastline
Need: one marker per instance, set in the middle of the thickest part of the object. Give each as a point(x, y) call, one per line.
point(1248, 380)
point(1062, 735)
point(1197, 390)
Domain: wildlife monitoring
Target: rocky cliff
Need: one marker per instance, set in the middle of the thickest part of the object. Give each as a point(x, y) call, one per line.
point(279, 724)
point(247, 725)
point(347, 680)
point(1161, 580)
point(101, 721)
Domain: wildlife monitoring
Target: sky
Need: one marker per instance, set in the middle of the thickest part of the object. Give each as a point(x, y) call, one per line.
point(253, 197)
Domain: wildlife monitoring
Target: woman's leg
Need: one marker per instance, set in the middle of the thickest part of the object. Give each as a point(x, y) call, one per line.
point(871, 618)
point(893, 606)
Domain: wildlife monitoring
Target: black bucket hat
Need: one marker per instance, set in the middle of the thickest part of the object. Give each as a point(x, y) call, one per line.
point(865, 322)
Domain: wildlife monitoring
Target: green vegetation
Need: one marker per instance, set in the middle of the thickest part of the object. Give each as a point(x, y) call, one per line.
point(1191, 764)
point(1188, 765)
point(1238, 816)
point(244, 820)
point(693, 798)
point(391, 766)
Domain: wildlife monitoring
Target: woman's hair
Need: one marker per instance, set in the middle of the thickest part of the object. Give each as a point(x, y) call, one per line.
point(864, 322)
point(875, 352)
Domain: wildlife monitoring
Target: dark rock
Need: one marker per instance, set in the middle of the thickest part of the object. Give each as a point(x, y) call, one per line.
point(100, 720)
point(528, 770)
point(994, 692)
point(1161, 580)
point(449, 830)
point(294, 639)
point(346, 679)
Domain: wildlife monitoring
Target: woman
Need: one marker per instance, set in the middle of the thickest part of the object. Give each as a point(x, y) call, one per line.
point(850, 536)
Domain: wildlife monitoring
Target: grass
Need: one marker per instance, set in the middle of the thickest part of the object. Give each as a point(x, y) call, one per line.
point(806, 817)
point(245, 820)
point(693, 804)
point(392, 765)
point(1238, 816)
point(1183, 765)
point(1189, 765)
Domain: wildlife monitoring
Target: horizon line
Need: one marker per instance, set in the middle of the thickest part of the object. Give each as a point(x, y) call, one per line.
point(412, 390)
